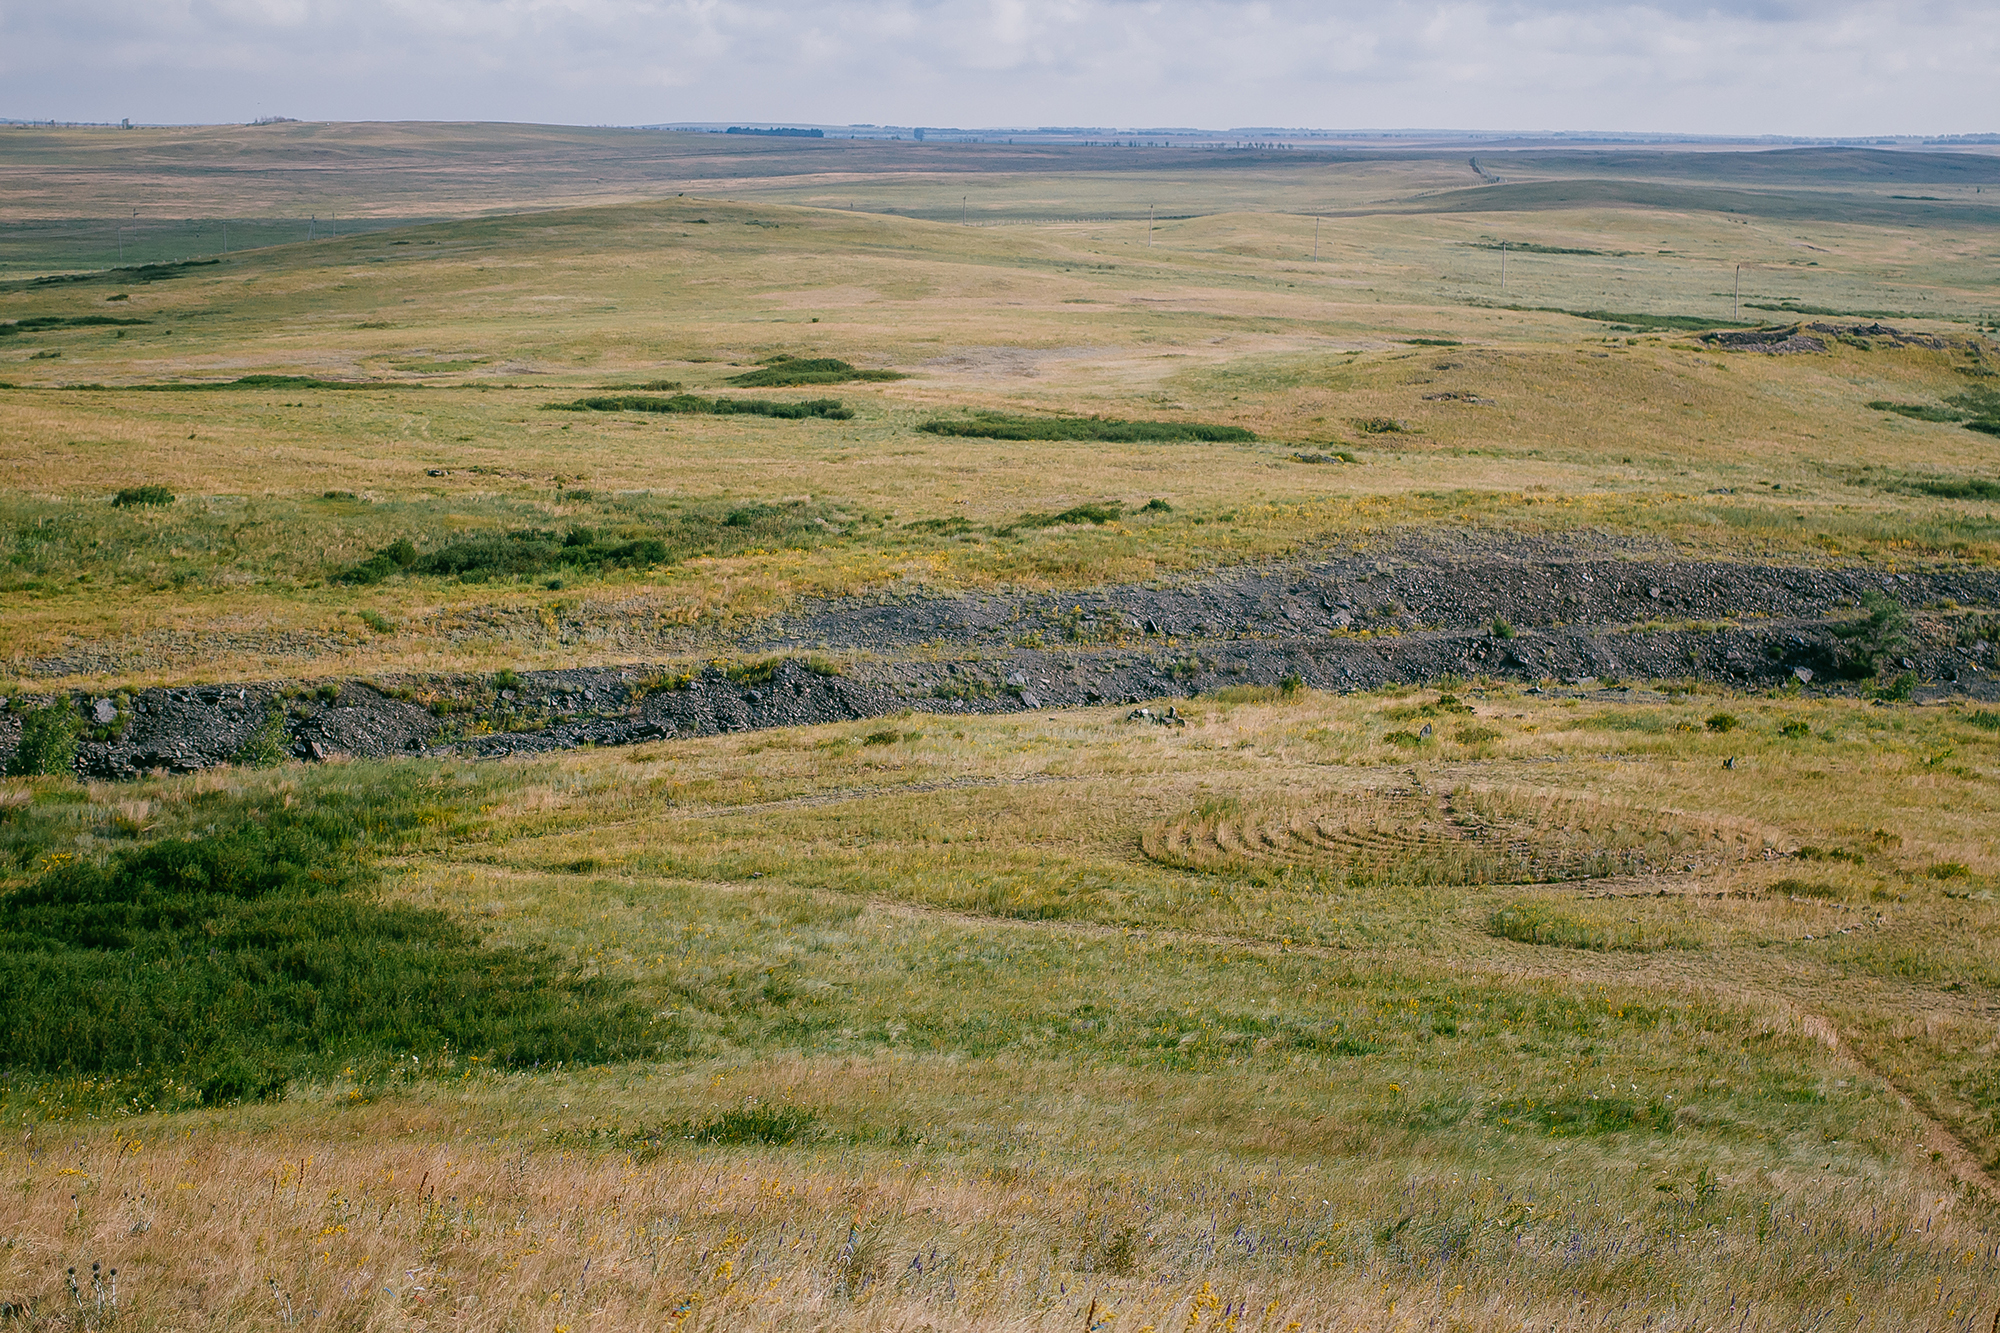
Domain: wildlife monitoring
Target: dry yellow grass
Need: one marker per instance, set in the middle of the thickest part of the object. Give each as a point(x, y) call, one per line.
point(1040, 1071)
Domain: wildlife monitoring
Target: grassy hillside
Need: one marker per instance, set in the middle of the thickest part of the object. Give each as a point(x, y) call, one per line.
point(1607, 1004)
point(422, 363)
point(998, 1018)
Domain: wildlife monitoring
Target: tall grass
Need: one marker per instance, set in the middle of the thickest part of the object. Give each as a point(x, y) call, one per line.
point(219, 967)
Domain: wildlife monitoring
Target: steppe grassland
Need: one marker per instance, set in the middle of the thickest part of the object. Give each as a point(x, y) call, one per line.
point(1627, 433)
point(1110, 1081)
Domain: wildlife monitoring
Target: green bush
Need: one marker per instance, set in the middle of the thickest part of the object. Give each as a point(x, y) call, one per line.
point(232, 963)
point(1502, 629)
point(1721, 722)
point(1096, 514)
point(270, 744)
point(654, 533)
point(691, 404)
point(786, 371)
point(142, 497)
point(48, 742)
point(1001, 426)
point(1877, 637)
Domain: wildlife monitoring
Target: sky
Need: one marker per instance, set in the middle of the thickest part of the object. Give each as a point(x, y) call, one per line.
point(1787, 67)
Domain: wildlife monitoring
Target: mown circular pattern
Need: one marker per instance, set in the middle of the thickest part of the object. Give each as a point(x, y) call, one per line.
point(1465, 835)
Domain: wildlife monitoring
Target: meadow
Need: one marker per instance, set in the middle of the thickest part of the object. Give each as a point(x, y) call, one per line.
point(1475, 1004)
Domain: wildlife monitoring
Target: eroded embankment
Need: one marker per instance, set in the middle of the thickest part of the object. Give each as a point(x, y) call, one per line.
point(1532, 614)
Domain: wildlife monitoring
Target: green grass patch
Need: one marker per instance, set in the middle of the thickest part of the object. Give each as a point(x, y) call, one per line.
point(37, 323)
point(1109, 430)
point(215, 967)
point(1578, 1116)
point(142, 497)
point(694, 405)
point(666, 538)
point(786, 372)
point(1529, 922)
point(1687, 323)
point(1096, 514)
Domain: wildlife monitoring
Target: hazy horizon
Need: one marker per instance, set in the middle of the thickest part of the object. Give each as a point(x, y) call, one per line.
point(1772, 68)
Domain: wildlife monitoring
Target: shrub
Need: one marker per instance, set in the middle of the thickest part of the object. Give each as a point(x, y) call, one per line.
point(1096, 514)
point(270, 744)
point(1899, 689)
point(1721, 722)
point(1502, 629)
point(1877, 637)
point(658, 538)
point(691, 404)
point(48, 742)
point(142, 497)
point(1156, 506)
point(1986, 718)
point(785, 371)
point(1379, 425)
point(1795, 730)
point(1001, 426)
point(378, 622)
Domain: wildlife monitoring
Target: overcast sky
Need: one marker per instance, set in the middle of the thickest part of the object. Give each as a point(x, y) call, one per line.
point(1807, 67)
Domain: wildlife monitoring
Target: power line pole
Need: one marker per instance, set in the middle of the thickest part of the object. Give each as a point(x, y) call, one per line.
point(1150, 210)
point(1736, 297)
point(1315, 240)
point(1503, 268)
point(961, 208)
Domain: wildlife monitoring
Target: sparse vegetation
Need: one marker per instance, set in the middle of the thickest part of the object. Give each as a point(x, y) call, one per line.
point(1001, 426)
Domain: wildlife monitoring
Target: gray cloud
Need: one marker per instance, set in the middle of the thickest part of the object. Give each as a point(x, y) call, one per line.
point(1768, 66)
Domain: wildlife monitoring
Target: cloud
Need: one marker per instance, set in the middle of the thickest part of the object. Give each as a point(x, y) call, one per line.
point(1767, 66)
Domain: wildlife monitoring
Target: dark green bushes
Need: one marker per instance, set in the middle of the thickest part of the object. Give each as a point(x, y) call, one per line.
point(48, 742)
point(1001, 426)
point(527, 551)
point(688, 403)
point(1877, 638)
point(651, 536)
point(34, 323)
point(217, 968)
point(1097, 514)
point(786, 371)
point(142, 497)
point(1977, 409)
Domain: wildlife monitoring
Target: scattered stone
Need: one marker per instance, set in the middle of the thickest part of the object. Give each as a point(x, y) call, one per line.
point(104, 712)
point(1803, 675)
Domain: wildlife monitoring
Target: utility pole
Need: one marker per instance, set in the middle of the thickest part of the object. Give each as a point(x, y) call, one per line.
point(1503, 268)
point(961, 208)
point(1315, 240)
point(1736, 297)
point(1150, 210)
